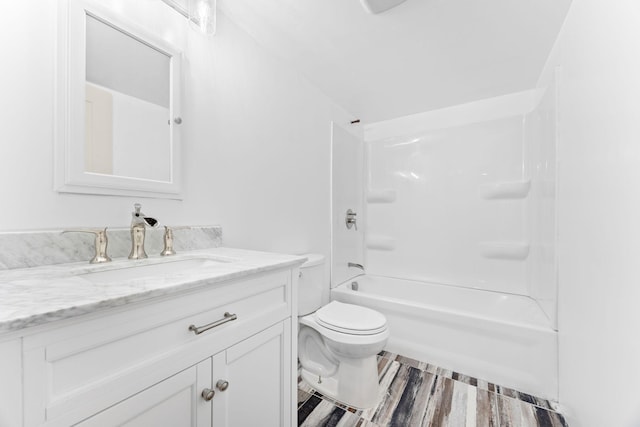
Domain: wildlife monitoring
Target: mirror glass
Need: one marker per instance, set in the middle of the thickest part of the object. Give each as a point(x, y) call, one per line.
point(127, 114)
point(118, 104)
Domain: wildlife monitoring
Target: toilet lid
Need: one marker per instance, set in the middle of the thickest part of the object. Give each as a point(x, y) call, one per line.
point(351, 319)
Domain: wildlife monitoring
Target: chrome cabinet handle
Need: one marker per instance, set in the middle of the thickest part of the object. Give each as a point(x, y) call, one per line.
point(228, 317)
point(222, 385)
point(207, 394)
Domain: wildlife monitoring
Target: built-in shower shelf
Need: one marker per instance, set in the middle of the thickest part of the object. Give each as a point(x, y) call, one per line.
point(381, 196)
point(517, 251)
point(380, 243)
point(505, 190)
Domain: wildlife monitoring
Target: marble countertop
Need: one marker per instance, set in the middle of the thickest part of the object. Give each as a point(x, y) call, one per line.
point(39, 295)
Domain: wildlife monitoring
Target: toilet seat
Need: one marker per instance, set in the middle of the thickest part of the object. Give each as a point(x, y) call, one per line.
point(350, 319)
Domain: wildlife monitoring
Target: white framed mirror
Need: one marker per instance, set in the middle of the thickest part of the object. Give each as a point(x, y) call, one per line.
point(118, 106)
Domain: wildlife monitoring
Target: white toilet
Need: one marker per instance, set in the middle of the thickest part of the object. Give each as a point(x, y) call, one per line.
point(338, 342)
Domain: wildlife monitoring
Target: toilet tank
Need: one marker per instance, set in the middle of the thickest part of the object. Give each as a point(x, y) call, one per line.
point(311, 283)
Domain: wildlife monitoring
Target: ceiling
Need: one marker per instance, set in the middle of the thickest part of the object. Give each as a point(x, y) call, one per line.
point(419, 56)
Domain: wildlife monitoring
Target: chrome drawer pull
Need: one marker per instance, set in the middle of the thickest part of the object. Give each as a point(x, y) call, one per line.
point(228, 317)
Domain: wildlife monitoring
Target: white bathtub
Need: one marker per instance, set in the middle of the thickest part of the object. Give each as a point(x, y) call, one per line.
point(502, 338)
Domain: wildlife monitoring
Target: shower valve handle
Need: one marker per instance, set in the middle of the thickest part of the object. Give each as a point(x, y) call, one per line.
point(350, 220)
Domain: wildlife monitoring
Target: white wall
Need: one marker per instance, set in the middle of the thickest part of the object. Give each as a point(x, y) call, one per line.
point(599, 210)
point(256, 137)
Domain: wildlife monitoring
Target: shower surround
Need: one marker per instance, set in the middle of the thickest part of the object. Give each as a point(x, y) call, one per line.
point(460, 206)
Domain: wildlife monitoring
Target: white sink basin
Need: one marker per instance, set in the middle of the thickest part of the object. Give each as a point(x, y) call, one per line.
point(131, 271)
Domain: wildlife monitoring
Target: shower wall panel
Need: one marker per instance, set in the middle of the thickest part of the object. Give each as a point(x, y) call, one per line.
point(455, 210)
point(347, 177)
point(541, 140)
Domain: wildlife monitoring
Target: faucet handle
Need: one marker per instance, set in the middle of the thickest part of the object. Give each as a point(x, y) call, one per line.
point(168, 239)
point(100, 243)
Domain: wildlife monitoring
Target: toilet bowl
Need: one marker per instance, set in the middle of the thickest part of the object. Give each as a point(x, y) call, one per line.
point(337, 349)
point(338, 342)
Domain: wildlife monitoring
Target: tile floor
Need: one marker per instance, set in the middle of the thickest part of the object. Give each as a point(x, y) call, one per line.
point(419, 394)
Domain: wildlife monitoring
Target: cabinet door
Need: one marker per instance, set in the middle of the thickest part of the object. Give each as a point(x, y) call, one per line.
point(259, 376)
point(175, 401)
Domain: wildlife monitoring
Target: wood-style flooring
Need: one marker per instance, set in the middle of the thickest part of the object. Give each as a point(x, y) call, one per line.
point(415, 393)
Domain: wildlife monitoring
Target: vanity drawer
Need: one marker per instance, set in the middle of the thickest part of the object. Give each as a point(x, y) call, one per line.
point(87, 365)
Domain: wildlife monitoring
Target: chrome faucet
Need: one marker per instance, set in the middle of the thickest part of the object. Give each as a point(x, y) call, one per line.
point(353, 264)
point(139, 223)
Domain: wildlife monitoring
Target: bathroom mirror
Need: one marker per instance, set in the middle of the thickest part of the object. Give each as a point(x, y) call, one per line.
point(118, 106)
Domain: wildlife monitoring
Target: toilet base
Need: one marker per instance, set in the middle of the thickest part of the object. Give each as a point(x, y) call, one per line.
point(355, 384)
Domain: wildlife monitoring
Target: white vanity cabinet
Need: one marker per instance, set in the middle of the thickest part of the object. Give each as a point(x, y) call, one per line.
point(245, 385)
point(172, 402)
point(141, 364)
point(259, 380)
